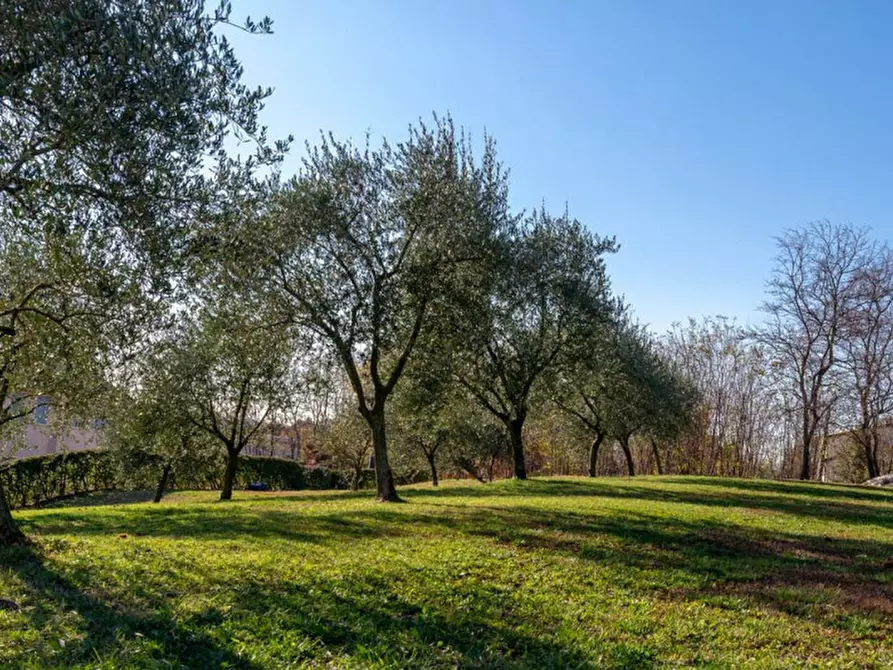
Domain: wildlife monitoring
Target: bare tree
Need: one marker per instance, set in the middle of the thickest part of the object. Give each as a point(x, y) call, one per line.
point(739, 417)
point(810, 297)
point(867, 352)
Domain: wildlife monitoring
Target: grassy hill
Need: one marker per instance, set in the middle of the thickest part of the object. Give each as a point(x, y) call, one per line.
point(651, 572)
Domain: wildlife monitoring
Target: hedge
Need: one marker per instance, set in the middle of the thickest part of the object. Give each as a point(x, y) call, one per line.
point(37, 479)
point(29, 481)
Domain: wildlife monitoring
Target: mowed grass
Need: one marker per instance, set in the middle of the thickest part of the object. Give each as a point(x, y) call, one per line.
point(649, 572)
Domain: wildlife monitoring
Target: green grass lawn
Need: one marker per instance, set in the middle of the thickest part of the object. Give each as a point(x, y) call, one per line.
point(650, 572)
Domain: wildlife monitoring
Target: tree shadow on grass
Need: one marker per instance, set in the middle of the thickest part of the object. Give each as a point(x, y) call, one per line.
point(836, 492)
point(816, 577)
point(106, 632)
point(836, 582)
point(839, 504)
point(369, 621)
point(365, 620)
point(95, 499)
point(872, 512)
point(207, 523)
point(821, 578)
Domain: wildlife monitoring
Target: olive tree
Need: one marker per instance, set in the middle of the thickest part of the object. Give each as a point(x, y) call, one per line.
point(367, 247)
point(229, 373)
point(148, 430)
point(347, 442)
point(545, 296)
point(110, 115)
point(424, 419)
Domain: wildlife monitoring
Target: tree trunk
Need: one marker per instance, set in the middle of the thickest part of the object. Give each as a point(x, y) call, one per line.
point(516, 427)
point(870, 440)
point(593, 454)
point(229, 475)
point(433, 465)
point(384, 477)
point(162, 483)
point(624, 444)
point(807, 443)
point(9, 532)
point(656, 452)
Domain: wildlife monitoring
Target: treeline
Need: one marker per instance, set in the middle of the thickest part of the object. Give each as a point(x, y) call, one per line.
point(397, 279)
point(195, 299)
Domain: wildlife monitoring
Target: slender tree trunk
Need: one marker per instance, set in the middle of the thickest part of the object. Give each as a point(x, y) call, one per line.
point(9, 531)
point(384, 477)
point(516, 427)
point(593, 454)
point(870, 440)
point(162, 483)
point(807, 444)
point(657, 461)
point(229, 475)
point(624, 444)
point(432, 463)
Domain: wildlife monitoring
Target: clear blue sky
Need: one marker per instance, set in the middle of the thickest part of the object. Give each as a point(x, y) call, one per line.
point(693, 131)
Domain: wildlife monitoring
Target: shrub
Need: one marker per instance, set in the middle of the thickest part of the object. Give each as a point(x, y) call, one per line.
point(284, 474)
point(29, 481)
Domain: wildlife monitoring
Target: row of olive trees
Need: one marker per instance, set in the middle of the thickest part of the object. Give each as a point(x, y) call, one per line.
point(404, 265)
point(151, 273)
point(391, 258)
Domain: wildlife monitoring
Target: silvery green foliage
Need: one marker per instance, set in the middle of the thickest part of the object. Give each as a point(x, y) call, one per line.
point(545, 297)
point(370, 248)
point(114, 116)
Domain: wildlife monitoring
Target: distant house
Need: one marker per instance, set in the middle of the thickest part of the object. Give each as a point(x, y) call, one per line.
point(42, 436)
point(295, 442)
point(844, 459)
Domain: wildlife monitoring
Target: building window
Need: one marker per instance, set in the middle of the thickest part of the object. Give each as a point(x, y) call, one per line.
point(40, 414)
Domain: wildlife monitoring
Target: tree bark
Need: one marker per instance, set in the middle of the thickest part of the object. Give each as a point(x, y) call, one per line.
point(870, 441)
point(9, 531)
point(384, 477)
point(593, 454)
point(624, 444)
point(162, 483)
point(516, 427)
point(657, 461)
point(229, 475)
point(807, 444)
point(433, 465)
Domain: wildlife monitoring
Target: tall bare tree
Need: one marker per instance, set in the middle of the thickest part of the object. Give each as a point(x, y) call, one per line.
point(810, 297)
point(739, 408)
point(867, 351)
